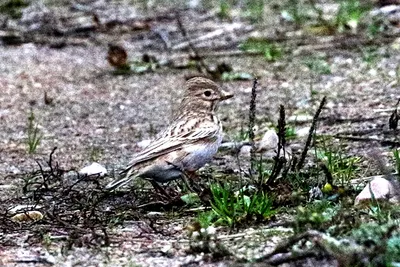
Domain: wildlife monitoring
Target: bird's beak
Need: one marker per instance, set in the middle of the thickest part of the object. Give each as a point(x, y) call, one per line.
point(225, 95)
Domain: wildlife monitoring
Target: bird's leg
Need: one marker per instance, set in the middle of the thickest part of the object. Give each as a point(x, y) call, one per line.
point(159, 189)
point(186, 177)
point(194, 178)
point(204, 193)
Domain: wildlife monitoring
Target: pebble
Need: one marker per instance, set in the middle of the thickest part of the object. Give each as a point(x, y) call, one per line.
point(302, 132)
point(382, 189)
point(269, 141)
point(94, 168)
point(14, 170)
point(20, 208)
point(245, 151)
point(300, 118)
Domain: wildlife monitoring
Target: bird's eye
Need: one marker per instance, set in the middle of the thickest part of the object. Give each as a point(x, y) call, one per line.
point(207, 93)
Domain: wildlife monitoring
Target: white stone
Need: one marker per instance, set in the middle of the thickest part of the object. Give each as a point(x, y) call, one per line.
point(245, 151)
point(303, 131)
point(269, 141)
point(211, 230)
point(195, 235)
point(382, 189)
point(330, 105)
point(94, 168)
point(166, 248)
point(27, 216)
point(99, 131)
point(20, 208)
point(300, 118)
point(386, 10)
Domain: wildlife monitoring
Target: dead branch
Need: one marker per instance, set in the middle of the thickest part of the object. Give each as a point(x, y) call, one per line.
point(293, 256)
point(252, 117)
point(285, 246)
point(279, 160)
point(310, 134)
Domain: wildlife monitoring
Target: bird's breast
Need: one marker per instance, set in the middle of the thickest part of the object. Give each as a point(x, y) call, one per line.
point(200, 153)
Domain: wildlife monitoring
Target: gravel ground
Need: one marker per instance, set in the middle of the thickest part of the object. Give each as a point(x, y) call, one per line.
point(98, 116)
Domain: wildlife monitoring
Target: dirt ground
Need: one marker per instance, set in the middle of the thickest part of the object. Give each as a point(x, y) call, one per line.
point(95, 115)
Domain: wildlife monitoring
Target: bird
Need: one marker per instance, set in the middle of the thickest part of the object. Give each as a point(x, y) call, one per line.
point(190, 141)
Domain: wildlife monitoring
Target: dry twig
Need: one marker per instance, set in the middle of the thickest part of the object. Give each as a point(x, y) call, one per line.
point(310, 134)
point(252, 118)
point(285, 246)
point(279, 160)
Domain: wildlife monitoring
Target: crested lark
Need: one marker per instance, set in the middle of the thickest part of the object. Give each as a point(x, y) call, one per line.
point(188, 143)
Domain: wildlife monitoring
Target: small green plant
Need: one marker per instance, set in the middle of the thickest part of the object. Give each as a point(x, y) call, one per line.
point(95, 153)
point(347, 18)
point(350, 14)
point(46, 241)
point(242, 135)
point(258, 206)
point(290, 132)
point(34, 135)
point(315, 214)
point(375, 210)
point(264, 169)
point(376, 27)
point(398, 74)
point(370, 55)
point(393, 249)
point(296, 12)
point(382, 237)
point(235, 208)
point(13, 7)
point(130, 263)
point(396, 155)
point(342, 167)
point(224, 204)
point(254, 10)
point(318, 65)
point(370, 233)
point(270, 51)
point(206, 218)
point(224, 9)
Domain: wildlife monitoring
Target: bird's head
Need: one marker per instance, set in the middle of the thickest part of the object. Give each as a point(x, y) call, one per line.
point(202, 95)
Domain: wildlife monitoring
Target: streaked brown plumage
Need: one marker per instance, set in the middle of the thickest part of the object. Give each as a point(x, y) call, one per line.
point(188, 143)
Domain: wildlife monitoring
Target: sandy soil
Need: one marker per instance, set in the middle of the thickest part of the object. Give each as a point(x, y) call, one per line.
point(98, 116)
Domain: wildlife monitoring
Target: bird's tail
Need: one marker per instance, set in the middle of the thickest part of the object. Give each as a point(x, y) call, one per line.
point(127, 176)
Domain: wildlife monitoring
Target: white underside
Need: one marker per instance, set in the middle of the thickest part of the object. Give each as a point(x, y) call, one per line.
point(200, 154)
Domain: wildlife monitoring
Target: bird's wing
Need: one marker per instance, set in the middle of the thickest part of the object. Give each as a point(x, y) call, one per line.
point(175, 137)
